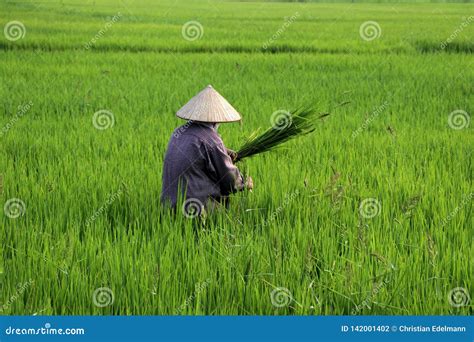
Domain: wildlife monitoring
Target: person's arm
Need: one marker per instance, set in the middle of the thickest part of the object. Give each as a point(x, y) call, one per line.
point(232, 154)
point(248, 184)
point(228, 175)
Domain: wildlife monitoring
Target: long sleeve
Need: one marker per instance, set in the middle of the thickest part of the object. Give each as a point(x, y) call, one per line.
point(228, 176)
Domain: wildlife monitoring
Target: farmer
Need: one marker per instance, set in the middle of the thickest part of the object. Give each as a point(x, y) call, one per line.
point(197, 165)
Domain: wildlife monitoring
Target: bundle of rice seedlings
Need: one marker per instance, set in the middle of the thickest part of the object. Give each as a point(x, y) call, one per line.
point(285, 126)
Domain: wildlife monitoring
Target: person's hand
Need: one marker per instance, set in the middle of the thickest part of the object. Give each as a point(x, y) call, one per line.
point(249, 183)
point(232, 154)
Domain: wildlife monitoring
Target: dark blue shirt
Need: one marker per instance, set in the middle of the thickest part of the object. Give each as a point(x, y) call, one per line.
point(197, 165)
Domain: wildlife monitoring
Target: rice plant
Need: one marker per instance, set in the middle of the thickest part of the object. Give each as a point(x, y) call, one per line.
point(369, 214)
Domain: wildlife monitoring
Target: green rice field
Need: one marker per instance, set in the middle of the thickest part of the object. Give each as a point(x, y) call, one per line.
point(369, 215)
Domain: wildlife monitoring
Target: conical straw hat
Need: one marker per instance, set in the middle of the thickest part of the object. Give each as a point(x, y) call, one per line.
point(208, 106)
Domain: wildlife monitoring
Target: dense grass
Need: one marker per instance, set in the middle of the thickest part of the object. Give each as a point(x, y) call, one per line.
point(301, 229)
point(372, 1)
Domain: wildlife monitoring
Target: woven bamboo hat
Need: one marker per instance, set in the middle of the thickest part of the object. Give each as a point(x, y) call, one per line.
point(208, 106)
